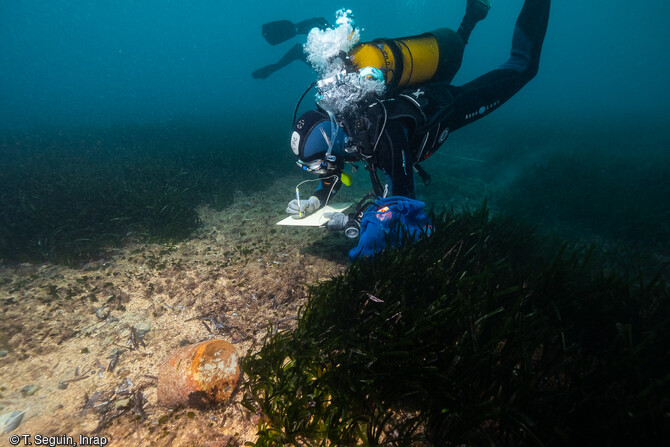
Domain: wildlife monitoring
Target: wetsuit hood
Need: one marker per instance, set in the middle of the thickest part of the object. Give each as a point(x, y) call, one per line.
point(312, 135)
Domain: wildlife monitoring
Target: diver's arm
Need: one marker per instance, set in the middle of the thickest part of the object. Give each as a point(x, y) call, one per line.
point(330, 184)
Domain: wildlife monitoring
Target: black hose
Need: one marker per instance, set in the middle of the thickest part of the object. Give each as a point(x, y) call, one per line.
point(295, 111)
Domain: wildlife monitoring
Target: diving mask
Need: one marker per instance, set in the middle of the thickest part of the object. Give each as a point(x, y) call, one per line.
point(314, 166)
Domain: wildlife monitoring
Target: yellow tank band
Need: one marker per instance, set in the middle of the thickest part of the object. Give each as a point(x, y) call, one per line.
point(420, 58)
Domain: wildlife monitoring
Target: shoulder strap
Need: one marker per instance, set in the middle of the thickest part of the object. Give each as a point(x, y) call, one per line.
point(432, 105)
point(434, 101)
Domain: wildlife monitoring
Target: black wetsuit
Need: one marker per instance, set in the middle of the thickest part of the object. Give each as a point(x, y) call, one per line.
point(411, 125)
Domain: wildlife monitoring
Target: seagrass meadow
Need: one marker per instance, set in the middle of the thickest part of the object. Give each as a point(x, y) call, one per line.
point(484, 333)
point(598, 186)
point(68, 196)
point(540, 318)
point(146, 157)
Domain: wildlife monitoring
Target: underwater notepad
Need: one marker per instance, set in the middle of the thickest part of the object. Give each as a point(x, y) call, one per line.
point(316, 219)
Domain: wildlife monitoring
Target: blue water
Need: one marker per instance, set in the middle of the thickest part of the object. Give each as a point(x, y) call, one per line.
point(68, 63)
point(160, 92)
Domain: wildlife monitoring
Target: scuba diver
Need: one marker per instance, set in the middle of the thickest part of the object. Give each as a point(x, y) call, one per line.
point(419, 109)
point(282, 30)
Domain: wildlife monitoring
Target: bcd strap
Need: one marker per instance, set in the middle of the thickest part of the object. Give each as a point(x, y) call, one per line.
point(423, 174)
point(374, 179)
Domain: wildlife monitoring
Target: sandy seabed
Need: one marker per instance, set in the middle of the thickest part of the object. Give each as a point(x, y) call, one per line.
point(81, 347)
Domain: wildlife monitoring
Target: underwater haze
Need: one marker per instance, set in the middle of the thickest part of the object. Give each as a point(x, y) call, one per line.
point(143, 171)
point(155, 99)
point(78, 62)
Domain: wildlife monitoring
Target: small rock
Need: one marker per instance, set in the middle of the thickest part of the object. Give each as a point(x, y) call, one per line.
point(4, 353)
point(116, 352)
point(62, 385)
point(9, 421)
point(142, 328)
point(123, 403)
point(29, 390)
point(198, 375)
point(102, 313)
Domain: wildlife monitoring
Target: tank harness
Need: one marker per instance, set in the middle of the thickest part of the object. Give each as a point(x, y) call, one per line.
point(424, 109)
point(416, 70)
point(430, 57)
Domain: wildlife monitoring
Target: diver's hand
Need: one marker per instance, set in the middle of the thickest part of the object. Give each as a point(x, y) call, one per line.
point(338, 221)
point(305, 208)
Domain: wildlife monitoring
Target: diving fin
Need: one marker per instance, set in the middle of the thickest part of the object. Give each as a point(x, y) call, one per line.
point(264, 72)
point(306, 26)
point(279, 31)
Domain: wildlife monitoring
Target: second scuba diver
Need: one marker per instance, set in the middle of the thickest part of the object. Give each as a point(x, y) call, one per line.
point(420, 109)
point(280, 31)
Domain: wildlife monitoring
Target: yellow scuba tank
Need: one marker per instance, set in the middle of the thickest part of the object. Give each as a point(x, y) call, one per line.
point(407, 61)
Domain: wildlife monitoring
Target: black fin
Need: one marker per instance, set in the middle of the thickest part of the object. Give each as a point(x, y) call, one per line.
point(306, 26)
point(279, 31)
point(264, 72)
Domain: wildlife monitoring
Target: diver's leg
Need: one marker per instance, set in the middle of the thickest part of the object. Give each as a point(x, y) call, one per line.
point(306, 26)
point(488, 92)
point(451, 48)
point(264, 72)
point(475, 10)
point(296, 53)
point(282, 30)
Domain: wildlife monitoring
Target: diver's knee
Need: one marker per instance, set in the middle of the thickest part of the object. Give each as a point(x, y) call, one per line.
point(451, 47)
point(531, 71)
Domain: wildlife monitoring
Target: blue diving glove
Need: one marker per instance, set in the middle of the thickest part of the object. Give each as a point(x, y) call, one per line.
point(304, 208)
point(338, 221)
